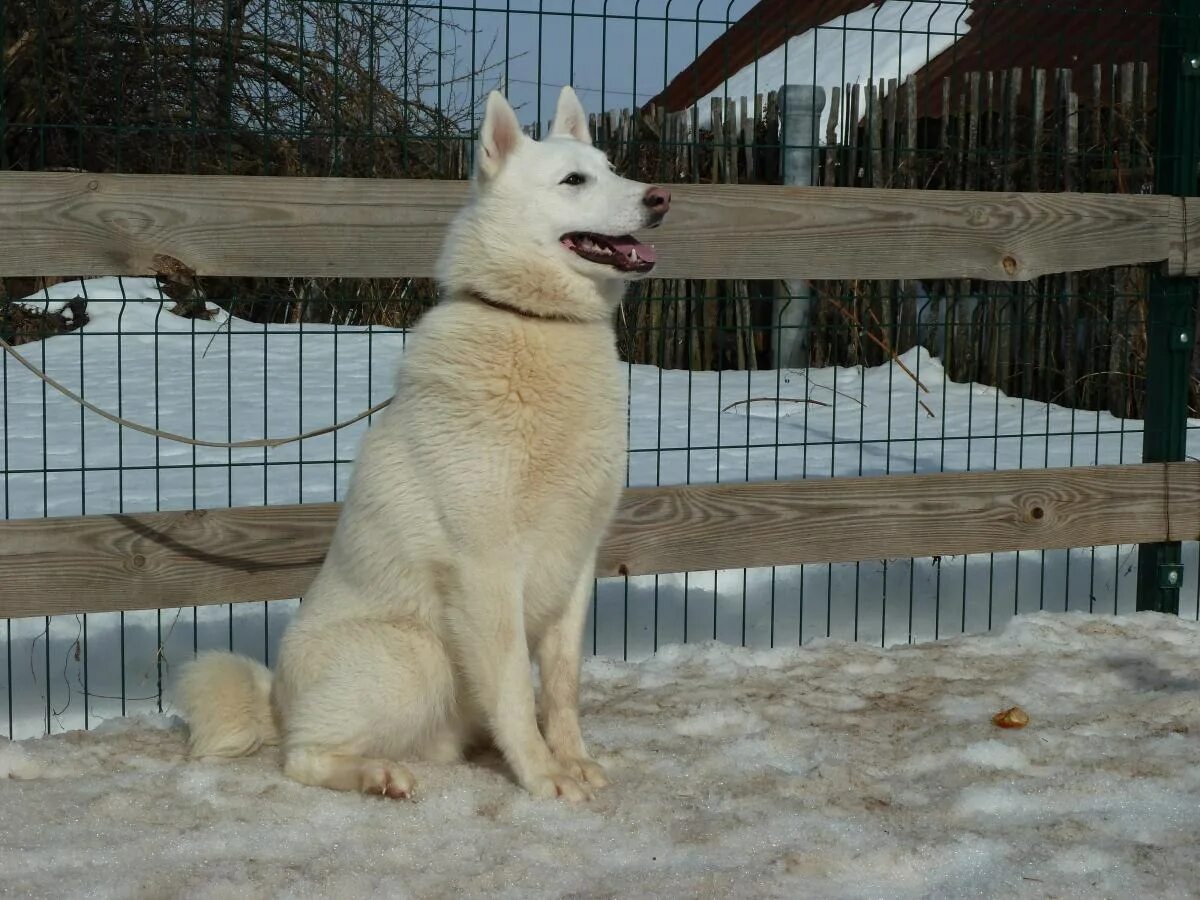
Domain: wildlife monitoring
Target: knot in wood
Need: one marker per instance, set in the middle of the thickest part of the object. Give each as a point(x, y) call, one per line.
point(1010, 265)
point(130, 222)
point(169, 267)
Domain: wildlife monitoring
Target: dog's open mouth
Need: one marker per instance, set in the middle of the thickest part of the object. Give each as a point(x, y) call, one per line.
point(624, 253)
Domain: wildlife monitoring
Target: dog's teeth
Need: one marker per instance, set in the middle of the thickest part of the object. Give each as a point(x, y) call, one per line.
point(633, 257)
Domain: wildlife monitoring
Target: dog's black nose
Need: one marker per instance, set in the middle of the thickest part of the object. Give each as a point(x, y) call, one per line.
point(658, 200)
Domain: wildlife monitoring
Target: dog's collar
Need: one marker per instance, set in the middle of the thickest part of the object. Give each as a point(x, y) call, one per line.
point(516, 310)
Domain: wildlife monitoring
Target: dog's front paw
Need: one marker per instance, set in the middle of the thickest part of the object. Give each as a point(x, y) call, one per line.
point(585, 770)
point(548, 785)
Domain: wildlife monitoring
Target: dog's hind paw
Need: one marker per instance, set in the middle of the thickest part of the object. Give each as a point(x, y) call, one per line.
point(388, 779)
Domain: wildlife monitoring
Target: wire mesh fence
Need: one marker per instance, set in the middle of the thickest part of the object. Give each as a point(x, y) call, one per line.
point(728, 380)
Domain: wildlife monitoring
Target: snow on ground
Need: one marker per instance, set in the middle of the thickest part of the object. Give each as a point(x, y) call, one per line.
point(231, 377)
point(891, 39)
point(834, 770)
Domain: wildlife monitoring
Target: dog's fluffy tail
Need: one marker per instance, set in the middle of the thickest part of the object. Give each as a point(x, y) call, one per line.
point(226, 700)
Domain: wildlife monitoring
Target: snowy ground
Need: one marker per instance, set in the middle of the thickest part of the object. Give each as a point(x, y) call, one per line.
point(890, 39)
point(834, 770)
point(221, 378)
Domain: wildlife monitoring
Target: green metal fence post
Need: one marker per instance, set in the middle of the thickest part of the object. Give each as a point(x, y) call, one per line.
point(3, 104)
point(1172, 309)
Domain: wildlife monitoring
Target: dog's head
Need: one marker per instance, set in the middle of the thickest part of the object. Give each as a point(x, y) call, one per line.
point(559, 197)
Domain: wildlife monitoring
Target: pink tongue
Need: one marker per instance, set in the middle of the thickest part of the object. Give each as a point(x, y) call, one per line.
point(625, 244)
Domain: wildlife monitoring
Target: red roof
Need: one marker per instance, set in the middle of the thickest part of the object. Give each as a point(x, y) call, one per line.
point(763, 28)
point(1003, 34)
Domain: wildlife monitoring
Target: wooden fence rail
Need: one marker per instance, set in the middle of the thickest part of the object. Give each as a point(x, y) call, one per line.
point(83, 224)
point(61, 566)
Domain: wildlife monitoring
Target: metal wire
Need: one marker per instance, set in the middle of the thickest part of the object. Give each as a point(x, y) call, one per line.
point(180, 438)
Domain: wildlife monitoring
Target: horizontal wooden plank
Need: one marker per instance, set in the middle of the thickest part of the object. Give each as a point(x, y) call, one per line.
point(900, 516)
point(163, 559)
point(81, 224)
point(155, 560)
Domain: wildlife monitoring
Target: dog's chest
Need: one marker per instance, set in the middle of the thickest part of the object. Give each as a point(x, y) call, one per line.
point(534, 415)
point(570, 412)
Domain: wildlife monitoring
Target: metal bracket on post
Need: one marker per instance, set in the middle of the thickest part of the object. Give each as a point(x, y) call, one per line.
point(1171, 319)
point(1170, 576)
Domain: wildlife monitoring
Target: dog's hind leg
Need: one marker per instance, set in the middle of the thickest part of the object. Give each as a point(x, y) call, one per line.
point(357, 696)
point(349, 772)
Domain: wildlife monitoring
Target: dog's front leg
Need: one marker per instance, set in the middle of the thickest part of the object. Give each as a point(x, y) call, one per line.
point(493, 655)
point(558, 663)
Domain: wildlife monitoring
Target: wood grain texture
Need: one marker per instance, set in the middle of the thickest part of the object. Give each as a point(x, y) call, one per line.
point(839, 520)
point(91, 224)
point(162, 559)
point(157, 560)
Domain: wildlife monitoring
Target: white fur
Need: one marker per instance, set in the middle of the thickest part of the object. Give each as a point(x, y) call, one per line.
point(468, 536)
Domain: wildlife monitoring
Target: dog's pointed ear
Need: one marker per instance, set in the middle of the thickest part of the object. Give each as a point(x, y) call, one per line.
point(498, 136)
point(570, 120)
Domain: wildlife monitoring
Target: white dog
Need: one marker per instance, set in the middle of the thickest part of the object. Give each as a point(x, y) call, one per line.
point(470, 529)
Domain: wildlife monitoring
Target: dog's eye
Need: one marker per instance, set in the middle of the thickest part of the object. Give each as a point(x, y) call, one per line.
point(574, 179)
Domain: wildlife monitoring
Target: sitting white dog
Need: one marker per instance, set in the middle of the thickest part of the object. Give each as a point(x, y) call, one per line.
point(478, 501)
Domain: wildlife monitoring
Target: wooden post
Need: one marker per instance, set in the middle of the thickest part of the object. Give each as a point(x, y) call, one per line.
point(1141, 120)
point(960, 133)
point(949, 160)
point(831, 141)
point(718, 137)
point(1037, 115)
point(1068, 110)
point(751, 127)
point(875, 119)
point(910, 125)
point(1096, 139)
point(987, 134)
point(1011, 103)
point(1071, 182)
point(731, 139)
point(852, 169)
point(973, 154)
point(889, 134)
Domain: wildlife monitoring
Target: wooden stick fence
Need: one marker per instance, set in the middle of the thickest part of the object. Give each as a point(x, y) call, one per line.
point(1074, 337)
